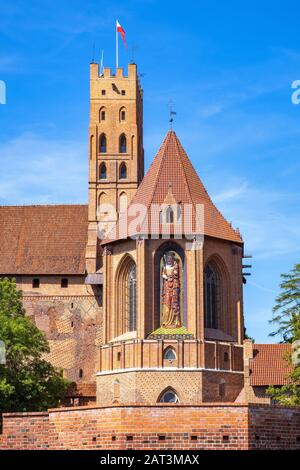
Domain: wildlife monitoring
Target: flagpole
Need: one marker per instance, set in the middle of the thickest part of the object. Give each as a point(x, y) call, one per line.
point(117, 52)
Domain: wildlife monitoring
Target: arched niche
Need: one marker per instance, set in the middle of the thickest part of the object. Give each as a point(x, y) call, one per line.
point(158, 292)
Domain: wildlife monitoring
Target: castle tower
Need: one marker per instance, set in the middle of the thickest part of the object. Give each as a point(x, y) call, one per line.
point(116, 154)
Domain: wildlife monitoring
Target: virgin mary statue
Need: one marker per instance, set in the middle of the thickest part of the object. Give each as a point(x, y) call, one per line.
point(171, 292)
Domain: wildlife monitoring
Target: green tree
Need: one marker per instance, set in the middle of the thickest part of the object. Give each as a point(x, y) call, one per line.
point(286, 312)
point(27, 381)
point(286, 316)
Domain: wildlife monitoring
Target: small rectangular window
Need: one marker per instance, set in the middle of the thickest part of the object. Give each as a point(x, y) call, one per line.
point(123, 92)
point(64, 283)
point(103, 92)
point(35, 283)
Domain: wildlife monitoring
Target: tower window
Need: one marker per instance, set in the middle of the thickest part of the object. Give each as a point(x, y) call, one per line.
point(103, 172)
point(103, 92)
point(64, 283)
point(123, 171)
point(102, 114)
point(102, 143)
point(35, 283)
point(211, 292)
point(123, 92)
point(122, 114)
point(122, 144)
point(80, 373)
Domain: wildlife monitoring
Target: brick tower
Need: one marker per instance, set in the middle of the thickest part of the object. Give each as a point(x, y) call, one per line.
point(116, 154)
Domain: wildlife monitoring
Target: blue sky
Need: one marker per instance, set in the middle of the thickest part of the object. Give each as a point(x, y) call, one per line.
point(228, 68)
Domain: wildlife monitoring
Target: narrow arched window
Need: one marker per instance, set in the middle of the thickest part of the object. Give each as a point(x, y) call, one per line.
point(122, 114)
point(102, 143)
point(123, 171)
point(168, 396)
point(122, 144)
point(103, 172)
point(102, 114)
point(132, 298)
point(211, 292)
point(170, 215)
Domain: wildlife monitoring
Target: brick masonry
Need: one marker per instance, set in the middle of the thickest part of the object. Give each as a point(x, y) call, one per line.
point(217, 426)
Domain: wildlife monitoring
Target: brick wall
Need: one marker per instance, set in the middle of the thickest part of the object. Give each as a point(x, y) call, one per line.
point(217, 426)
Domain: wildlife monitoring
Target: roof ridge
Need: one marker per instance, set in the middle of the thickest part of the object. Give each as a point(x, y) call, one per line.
point(164, 147)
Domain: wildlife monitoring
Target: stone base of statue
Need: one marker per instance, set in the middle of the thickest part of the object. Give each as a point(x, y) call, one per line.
point(171, 332)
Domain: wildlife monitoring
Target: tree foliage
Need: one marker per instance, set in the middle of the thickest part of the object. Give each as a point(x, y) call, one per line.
point(286, 312)
point(27, 381)
point(286, 317)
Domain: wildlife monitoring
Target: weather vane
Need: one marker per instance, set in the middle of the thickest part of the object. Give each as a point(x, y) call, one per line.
point(172, 113)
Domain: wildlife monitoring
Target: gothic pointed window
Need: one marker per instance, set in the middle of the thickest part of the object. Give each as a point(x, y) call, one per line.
point(122, 144)
point(168, 396)
point(169, 354)
point(103, 172)
point(132, 298)
point(211, 300)
point(102, 143)
point(123, 171)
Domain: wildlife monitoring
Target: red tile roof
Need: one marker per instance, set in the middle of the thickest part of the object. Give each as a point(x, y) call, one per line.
point(172, 171)
point(269, 367)
point(43, 239)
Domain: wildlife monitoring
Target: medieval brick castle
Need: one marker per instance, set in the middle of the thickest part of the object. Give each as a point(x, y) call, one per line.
point(141, 321)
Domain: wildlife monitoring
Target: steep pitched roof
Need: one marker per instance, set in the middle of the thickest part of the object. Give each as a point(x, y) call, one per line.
point(43, 239)
point(172, 176)
point(268, 366)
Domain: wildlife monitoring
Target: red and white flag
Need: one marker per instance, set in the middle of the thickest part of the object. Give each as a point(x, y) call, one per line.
point(120, 30)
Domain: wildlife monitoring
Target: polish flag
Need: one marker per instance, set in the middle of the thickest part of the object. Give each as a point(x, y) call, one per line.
point(121, 31)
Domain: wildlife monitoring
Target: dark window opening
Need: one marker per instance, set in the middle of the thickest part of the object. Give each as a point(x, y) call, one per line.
point(103, 92)
point(64, 283)
point(226, 357)
point(80, 373)
point(123, 115)
point(123, 92)
point(102, 115)
point(123, 171)
point(102, 143)
point(123, 145)
point(35, 283)
point(103, 173)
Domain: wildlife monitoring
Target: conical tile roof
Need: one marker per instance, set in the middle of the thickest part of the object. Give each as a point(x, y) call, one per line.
point(172, 176)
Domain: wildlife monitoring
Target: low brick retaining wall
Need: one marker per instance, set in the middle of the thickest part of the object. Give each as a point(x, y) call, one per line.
point(209, 426)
